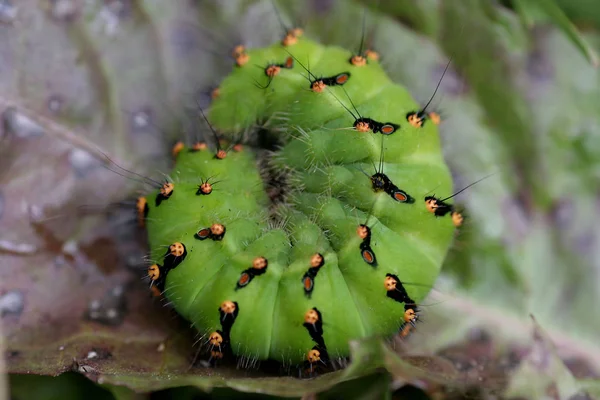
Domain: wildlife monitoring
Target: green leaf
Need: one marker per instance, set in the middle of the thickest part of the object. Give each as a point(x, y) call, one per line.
point(542, 372)
point(69, 386)
point(535, 11)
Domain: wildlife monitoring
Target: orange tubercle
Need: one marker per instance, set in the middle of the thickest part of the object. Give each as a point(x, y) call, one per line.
point(358, 61)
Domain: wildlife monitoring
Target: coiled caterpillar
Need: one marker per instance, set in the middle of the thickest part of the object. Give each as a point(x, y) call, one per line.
point(333, 253)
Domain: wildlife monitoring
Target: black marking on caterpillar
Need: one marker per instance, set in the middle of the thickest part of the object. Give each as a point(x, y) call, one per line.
point(318, 83)
point(381, 182)
point(313, 322)
point(228, 312)
point(215, 232)
point(221, 339)
point(308, 279)
point(316, 357)
point(165, 193)
point(437, 206)
point(157, 274)
point(386, 128)
point(272, 70)
point(440, 208)
point(368, 255)
point(396, 291)
point(175, 254)
point(259, 267)
point(218, 341)
point(364, 124)
point(337, 80)
point(418, 118)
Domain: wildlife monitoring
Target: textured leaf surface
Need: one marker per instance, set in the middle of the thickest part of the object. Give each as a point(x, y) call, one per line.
point(525, 104)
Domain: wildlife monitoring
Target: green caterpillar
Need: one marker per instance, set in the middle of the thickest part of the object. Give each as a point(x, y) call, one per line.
point(331, 252)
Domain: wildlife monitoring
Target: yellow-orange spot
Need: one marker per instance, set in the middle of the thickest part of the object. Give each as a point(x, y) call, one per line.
point(415, 120)
point(260, 263)
point(318, 86)
point(167, 189)
point(358, 61)
point(362, 231)
point(291, 38)
point(205, 188)
point(362, 127)
point(410, 315)
point(154, 272)
point(372, 55)
point(435, 118)
point(177, 149)
point(215, 93)
point(242, 59)
point(198, 146)
point(405, 330)
point(316, 260)
point(216, 354)
point(313, 356)
point(228, 307)
point(217, 229)
point(155, 291)
point(177, 249)
point(297, 32)
point(238, 147)
point(457, 218)
point(272, 70)
point(431, 205)
point(221, 154)
point(389, 283)
point(215, 339)
point(311, 317)
point(238, 50)
point(142, 208)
